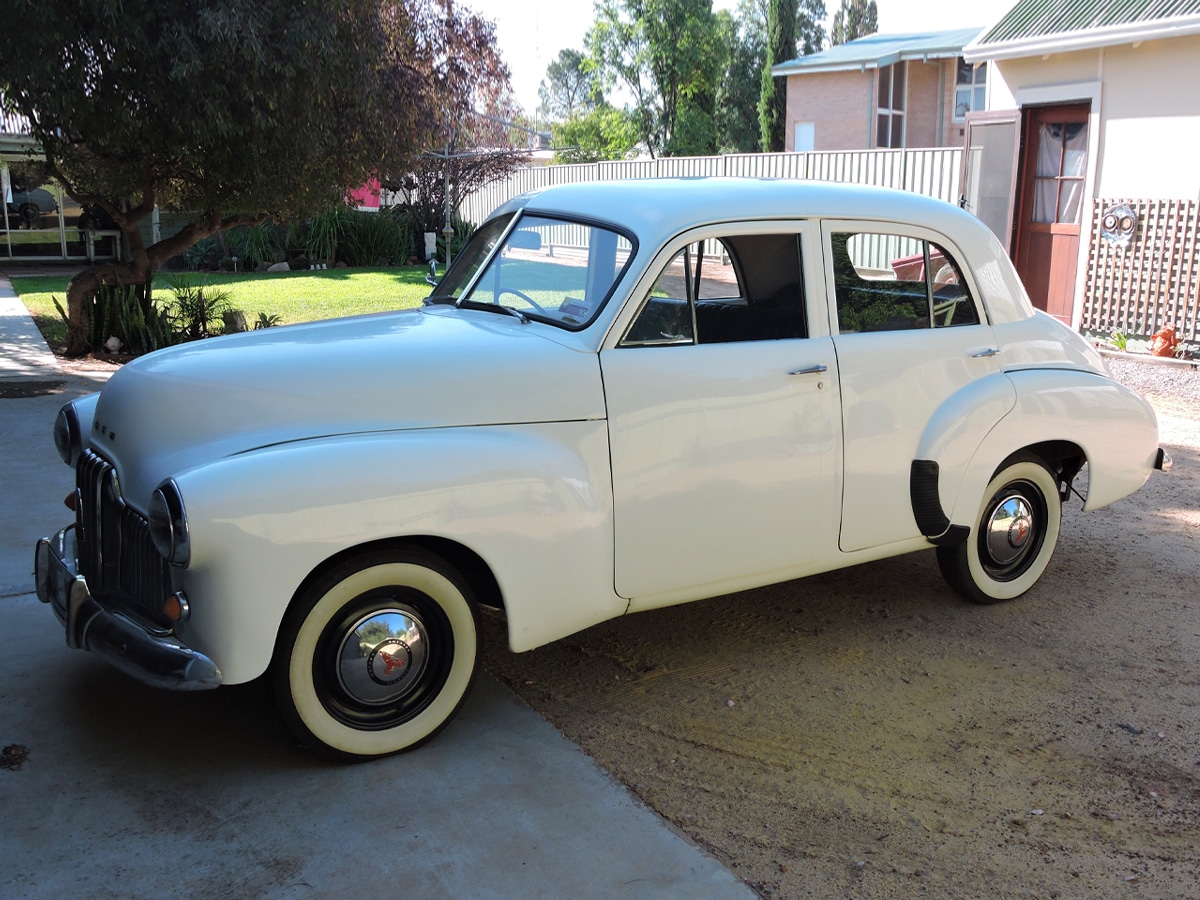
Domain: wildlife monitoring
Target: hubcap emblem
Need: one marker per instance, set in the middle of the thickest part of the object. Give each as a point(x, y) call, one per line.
point(389, 662)
point(1018, 531)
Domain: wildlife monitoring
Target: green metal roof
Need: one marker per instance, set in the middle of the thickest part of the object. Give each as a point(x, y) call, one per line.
point(1033, 27)
point(877, 50)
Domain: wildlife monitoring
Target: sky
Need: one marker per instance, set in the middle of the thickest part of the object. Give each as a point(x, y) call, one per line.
point(530, 33)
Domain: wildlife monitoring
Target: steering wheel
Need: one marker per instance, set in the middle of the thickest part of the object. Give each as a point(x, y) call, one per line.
point(524, 297)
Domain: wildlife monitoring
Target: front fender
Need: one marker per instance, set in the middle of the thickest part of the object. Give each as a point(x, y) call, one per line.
point(1113, 425)
point(534, 501)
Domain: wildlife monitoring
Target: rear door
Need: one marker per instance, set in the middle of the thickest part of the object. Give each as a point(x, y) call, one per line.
point(908, 333)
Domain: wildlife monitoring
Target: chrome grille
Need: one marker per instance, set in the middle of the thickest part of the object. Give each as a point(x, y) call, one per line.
point(116, 554)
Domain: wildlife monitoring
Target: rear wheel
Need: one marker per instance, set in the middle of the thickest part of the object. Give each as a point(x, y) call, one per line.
point(1013, 537)
point(377, 655)
point(29, 214)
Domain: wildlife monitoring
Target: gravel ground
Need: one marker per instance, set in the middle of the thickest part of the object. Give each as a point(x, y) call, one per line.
point(1175, 381)
point(866, 733)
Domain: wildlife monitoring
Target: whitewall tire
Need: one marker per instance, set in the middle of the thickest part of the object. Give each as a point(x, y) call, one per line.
point(1013, 537)
point(377, 654)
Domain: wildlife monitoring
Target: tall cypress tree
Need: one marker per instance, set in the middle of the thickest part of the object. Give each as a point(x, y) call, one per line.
point(772, 100)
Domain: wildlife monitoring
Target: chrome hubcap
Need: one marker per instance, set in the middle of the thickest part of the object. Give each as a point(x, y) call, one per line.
point(1010, 529)
point(382, 656)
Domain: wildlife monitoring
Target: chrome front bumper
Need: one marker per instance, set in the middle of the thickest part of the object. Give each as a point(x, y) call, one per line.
point(153, 659)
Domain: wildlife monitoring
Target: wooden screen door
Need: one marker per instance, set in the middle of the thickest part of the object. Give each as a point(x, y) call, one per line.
point(1052, 200)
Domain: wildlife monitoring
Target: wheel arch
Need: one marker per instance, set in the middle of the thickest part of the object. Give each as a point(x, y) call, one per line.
point(477, 573)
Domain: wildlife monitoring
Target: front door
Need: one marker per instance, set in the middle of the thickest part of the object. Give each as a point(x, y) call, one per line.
point(1052, 201)
point(723, 417)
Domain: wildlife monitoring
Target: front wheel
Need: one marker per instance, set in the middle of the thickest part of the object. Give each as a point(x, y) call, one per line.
point(377, 655)
point(1013, 537)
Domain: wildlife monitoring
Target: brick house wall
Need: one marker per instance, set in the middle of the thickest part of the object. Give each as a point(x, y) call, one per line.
point(840, 104)
point(842, 107)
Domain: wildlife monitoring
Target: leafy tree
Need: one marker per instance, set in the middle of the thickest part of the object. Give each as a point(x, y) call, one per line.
point(855, 19)
point(737, 93)
point(810, 33)
point(667, 55)
point(571, 86)
point(234, 113)
point(603, 133)
point(781, 46)
point(741, 86)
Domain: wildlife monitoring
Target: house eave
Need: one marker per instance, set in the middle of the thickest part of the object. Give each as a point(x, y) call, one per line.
point(21, 144)
point(865, 65)
point(1089, 39)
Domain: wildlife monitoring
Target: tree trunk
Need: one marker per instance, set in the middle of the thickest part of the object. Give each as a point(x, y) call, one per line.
point(80, 291)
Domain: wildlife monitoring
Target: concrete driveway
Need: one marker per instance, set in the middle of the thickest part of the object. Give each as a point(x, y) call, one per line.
point(112, 789)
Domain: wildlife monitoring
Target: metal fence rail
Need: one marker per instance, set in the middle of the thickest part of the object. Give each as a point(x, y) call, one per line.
point(934, 173)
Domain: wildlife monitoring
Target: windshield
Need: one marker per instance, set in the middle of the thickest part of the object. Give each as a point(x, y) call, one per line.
point(551, 270)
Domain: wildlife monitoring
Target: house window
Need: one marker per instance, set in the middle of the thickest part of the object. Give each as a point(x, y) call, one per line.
point(970, 89)
point(889, 116)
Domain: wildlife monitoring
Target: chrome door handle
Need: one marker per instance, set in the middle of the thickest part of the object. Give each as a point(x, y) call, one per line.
point(985, 352)
point(810, 370)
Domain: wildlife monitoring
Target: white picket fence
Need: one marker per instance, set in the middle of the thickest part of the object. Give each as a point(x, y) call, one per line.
point(933, 172)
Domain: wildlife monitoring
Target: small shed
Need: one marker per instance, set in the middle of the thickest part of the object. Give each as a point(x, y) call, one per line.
point(1085, 162)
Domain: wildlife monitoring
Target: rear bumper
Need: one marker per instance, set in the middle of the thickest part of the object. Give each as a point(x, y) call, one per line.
point(157, 660)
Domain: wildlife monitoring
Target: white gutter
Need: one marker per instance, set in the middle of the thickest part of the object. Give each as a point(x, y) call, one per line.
point(1084, 39)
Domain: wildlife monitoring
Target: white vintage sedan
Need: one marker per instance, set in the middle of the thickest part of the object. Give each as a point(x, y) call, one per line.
point(621, 396)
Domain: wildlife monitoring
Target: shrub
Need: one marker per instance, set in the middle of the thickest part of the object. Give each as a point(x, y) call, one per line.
point(378, 239)
point(197, 311)
point(256, 245)
point(128, 313)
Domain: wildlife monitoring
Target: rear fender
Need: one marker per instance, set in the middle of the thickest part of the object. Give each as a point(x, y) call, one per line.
point(948, 444)
point(1114, 427)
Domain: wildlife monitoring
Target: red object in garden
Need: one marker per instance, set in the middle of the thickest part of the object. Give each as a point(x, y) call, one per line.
point(1163, 342)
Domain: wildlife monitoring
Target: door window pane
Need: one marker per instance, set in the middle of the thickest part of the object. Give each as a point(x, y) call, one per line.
point(1070, 201)
point(1045, 201)
point(1049, 158)
point(1075, 149)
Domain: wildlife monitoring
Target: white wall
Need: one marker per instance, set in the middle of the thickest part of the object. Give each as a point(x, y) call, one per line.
point(1148, 105)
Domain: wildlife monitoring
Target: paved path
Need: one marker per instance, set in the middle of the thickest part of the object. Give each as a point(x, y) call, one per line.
point(23, 352)
point(128, 791)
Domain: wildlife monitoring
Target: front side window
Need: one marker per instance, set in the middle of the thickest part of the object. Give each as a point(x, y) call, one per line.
point(734, 288)
point(889, 282)
point(549, 270)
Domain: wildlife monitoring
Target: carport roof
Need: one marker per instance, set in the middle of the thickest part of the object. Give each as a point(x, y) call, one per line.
point(1040, 27)
point(878, 50)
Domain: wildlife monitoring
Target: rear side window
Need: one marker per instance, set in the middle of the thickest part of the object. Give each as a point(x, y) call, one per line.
point(888, 282)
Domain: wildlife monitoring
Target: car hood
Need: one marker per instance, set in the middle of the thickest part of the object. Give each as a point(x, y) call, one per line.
point(430, 368)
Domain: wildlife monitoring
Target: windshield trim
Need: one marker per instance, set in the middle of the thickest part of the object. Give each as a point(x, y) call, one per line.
point(487, 260)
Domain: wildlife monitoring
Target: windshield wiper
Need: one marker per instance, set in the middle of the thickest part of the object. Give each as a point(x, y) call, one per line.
point(438, 298)
point(493, 307)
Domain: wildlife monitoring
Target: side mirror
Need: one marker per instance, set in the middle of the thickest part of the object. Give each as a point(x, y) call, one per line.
point(432, 278)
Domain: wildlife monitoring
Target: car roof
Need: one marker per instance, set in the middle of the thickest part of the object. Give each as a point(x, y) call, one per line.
point(657, 209)
point(657, 206)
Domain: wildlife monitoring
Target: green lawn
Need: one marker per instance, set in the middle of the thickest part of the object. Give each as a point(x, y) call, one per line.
point(293, 296)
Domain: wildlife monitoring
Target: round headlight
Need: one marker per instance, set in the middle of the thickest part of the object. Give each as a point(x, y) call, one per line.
point(66, 434)
point(168, 524)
